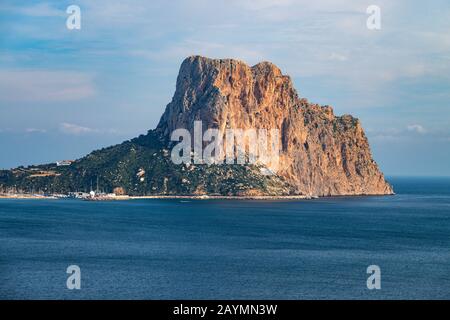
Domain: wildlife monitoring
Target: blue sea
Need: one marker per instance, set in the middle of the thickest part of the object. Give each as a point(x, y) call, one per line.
point(222, 249)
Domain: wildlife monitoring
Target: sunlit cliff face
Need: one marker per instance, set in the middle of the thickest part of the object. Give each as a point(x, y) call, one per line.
point(320, 154)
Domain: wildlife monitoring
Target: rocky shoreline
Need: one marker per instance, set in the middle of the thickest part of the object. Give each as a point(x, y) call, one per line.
point(26, 196)
point(219, 197)
point(167, 197)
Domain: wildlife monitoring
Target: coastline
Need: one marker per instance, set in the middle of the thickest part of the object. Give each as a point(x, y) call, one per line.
point(26, 196)
point(182, 197)
point(219, 197)
point(161, 197)
point(198, 197)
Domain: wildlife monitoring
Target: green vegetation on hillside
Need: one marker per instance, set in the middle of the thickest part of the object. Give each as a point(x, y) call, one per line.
point(142, 166)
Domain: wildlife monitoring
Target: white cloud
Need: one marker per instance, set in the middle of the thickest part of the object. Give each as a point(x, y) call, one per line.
point(41, 10)
point(407, 133)
point(204, 48)
point(263, 4)
point(417, 128)
point(385, 137)
point(35, 10)
point(48, 86)
point(34, 130)
point(74, 129)
point(338, 57)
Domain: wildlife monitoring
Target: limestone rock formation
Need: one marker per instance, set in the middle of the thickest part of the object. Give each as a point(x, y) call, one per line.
point(322, 154)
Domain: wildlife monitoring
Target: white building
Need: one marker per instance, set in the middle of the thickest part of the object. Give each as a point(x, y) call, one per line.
point(64, 163)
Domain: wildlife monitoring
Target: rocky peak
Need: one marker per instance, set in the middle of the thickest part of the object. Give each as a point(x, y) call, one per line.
point(226, 91)
point(321, 155)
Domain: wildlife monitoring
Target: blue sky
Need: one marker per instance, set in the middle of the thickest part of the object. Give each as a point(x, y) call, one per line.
point(66, 92)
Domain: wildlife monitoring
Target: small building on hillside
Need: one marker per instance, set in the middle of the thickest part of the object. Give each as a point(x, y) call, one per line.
point(64, 163)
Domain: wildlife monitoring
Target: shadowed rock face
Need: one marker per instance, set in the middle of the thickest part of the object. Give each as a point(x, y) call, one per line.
point(322, 154)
